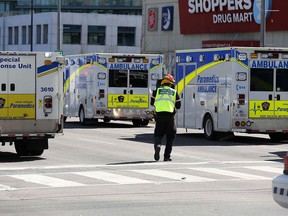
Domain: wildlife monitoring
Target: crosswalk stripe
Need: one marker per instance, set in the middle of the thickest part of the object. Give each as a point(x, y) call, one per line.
point(46, 180)
point(266, 169)
point(231, 173)
point(5, 187)
point(174, 175)
point(110, 177)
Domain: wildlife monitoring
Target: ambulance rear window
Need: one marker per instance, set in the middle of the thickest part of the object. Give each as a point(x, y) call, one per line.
point(261, 79)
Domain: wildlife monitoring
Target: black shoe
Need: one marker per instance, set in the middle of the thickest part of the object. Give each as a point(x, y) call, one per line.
point(167, 159)
point(157, 153)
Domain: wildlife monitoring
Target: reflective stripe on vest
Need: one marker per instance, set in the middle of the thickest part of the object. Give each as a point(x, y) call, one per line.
point(165, 99)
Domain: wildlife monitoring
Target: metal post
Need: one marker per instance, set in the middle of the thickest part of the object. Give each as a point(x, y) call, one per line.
point(59, 25)
point(31, 33)
point(262, 24)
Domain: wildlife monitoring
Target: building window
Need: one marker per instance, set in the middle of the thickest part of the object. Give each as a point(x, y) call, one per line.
point(10, 35)
point(16, 35)
point(29, 34)
point(45, 34)
point(38, 34)
point(126, 36)
point(96, 35)
point(24, 35)
point(72, 34)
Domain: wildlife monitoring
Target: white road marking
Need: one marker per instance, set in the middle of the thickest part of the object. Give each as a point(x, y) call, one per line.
point(5, 187)
point(231, 173)
point(46, 180)
point(266, 169)
point(174, 175)
point(110, 177)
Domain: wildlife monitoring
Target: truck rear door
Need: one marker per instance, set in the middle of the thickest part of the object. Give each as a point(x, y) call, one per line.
point(17, 98)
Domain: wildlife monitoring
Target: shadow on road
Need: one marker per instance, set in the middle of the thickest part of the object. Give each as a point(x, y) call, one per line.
point(8, 157)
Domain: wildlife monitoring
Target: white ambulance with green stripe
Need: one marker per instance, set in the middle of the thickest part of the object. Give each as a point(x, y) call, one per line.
point(233, 89)
point(111, 86)
point(31, 100)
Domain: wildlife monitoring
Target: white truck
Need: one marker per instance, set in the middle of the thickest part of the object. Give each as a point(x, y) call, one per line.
point(233, 89)
point(111, 86)
point(31, 100)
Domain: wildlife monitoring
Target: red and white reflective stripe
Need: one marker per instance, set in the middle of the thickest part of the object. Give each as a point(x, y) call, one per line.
point(21, 135)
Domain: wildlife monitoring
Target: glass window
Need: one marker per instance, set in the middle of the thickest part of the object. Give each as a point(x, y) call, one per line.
point(138, 79)
point(282, 80)
point(29, 34)
point(261, 79)
point(24, 35)
point(126, 36)
point(10, 35)
point(45, 34)
point(96, 35)
point(38, 34)
point(72, 34)
point(118, 78)
point(16, 35)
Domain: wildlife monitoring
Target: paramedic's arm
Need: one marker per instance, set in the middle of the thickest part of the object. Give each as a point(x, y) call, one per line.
point(178, 102)
point(153, 98)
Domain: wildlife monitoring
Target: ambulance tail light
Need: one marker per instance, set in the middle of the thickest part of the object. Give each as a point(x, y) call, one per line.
point(285, 171)
point(241, 99)
point(254, 55)
point(47, 104)
point(101, 93)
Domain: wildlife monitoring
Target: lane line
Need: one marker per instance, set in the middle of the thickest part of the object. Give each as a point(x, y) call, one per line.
point(5, 187)
point(110, 177)
point(266, 169)
point(174, 175)
point(231, 173)
point(46, 180)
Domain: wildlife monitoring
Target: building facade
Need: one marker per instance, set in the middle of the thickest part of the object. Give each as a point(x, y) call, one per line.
point(85, 26)
point(169, 25)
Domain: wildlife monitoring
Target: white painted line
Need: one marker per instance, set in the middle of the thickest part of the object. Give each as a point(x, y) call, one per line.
point(5, 187)
point(231, 173)
point(46, 180)
point(110, 177)
point(266, 169)
point(174, 175)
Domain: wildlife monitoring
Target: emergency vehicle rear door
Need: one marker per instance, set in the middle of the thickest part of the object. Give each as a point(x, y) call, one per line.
point(224, 109)
point(19, 88)
point(268, 92)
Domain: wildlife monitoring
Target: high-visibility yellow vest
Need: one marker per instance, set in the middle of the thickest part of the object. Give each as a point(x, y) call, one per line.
point(165, 99)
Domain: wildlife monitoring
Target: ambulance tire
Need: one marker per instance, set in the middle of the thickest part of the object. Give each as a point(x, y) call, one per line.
point(145, 122)
point(277, 137)
point(21, 148)
point(136, 122)
point(82, 118)
point(209, 132)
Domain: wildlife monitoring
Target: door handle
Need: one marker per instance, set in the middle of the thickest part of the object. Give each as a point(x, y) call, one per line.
point(278, 97)
point(131, 91)
point(270, 96)
point(125, 91)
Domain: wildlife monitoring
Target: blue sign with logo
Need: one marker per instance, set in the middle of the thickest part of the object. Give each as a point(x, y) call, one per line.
point(257, 10)
point(167, 18)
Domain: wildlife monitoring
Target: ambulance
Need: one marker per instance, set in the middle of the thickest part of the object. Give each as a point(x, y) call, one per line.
point(111, 86)
point(31, 100)
point(233, 89)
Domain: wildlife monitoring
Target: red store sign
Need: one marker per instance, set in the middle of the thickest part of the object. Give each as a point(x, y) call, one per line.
point(228, 16)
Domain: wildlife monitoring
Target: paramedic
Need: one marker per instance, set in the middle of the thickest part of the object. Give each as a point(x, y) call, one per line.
point(165, 100)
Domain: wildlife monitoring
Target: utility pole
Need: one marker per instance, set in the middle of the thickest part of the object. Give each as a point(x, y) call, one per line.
point(59, 25)
point(31, 33)
point(263, 24)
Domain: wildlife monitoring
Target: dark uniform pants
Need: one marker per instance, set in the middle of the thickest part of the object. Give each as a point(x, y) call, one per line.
point(165, 124)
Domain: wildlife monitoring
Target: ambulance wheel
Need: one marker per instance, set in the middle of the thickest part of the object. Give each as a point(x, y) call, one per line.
point(145, 122)
point(277, 136)
point(209, 132)
point(82, 119)
point(21, 148)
